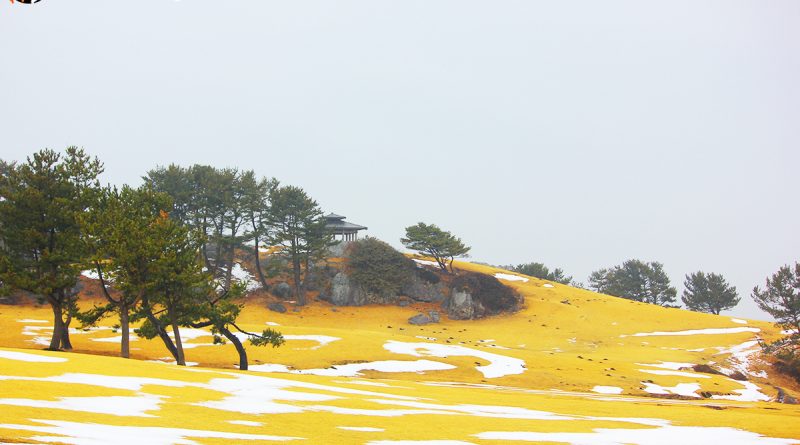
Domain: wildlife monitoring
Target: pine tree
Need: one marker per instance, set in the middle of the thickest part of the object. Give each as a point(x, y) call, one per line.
point(539, 270)
point(42, 249)
point(635, 280)
point(121, 236)
point(297, 226)
point(708, 293)
point(432, 241)
point(781, 298)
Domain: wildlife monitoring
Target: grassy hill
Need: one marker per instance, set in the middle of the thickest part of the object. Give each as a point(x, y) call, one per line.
point(572, 366)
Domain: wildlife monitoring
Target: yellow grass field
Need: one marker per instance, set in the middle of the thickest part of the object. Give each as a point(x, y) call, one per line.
point(572, 367)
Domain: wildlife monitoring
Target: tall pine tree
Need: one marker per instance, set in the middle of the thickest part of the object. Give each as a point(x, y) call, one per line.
point(42, 250)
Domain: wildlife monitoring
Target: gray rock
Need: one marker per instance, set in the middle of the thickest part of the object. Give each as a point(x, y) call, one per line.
point(421, 290)
point(434, 315)
point(345, 293)
point(403, 303)
point(282, 290)
point(460, 306)
point(338, 250)
point(277, 307)
point(420, 319)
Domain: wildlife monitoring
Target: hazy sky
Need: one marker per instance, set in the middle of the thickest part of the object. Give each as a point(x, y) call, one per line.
point(578, 134)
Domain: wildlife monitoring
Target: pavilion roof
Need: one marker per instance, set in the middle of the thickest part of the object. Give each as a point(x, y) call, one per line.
point(339, 225)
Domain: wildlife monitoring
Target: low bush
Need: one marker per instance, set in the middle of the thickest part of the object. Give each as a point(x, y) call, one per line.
point(488, 291)
point(377, 267)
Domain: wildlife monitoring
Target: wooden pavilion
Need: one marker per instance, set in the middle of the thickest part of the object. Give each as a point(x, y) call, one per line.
point(342, 230)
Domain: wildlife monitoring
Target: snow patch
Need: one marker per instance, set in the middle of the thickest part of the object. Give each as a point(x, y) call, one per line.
point(509, 277)
point(741, 357)
point(651, 436)
point(505, 412)
point(739, 320)
point(427, 263)
point(354, 369)
point(245, 422)
point(681, 389)
point(75, 433)
point(323, 340)
point(548, 285)
point(365, 429)
point(35, 358)
point(499, 365)
point(607, 389)
point(272, 323)
point(114, 405)
point(750, 393)
point(30, 320)
point(242, 276)
point(711, 331)
point(106, 381)
point(668, 365)
point(170, 361)
point(419, 442)
point(675, 373)
point(92, 274)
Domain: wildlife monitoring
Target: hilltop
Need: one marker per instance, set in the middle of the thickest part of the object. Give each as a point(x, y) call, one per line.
point(569, 366)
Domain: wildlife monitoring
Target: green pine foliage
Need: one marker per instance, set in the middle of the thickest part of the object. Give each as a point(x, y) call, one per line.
point(41, 201)
point(708, 293)
point(297, 226)
point(432, 241)
point(635, 280)
point(121, 235)
point(541, 271)
point(781, 299)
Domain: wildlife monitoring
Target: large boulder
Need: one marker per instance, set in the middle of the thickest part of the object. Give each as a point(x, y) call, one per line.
point(282, 290)
point(277, 307)
point(476, 295)
point(424, 290)
point(344, 292)
point(338, 250)
point(420, 319)
point(460, 305)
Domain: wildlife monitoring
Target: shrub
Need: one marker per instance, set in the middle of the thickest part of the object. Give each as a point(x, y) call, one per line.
point(488, 291)
point(377, 267)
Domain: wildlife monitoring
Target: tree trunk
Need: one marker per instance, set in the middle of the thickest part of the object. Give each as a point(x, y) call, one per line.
point(176, 333)
point(300, 296)
point(258, 267)
point(66, 344)
point(161, 332)
point(58, 325)
point(239, 347)
point(125, 348)
point(229, 267)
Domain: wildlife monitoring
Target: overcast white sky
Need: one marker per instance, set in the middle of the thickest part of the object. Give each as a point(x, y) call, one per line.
point(575, 133)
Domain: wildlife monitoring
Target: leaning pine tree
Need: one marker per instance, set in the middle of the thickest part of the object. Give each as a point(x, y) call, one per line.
point(432, 241)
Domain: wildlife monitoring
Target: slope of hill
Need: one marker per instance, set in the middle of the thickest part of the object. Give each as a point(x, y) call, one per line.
point(572, 367)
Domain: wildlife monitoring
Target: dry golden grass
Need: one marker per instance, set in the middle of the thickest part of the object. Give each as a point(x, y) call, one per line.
point(570, 340)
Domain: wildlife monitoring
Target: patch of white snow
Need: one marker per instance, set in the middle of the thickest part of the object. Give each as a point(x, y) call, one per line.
point(509, 277)
point(74, 433)
point(710, 331)
point(26, 357)
point(647, 436)
point(499, 365)
point(365, 429)
point(607, 389)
